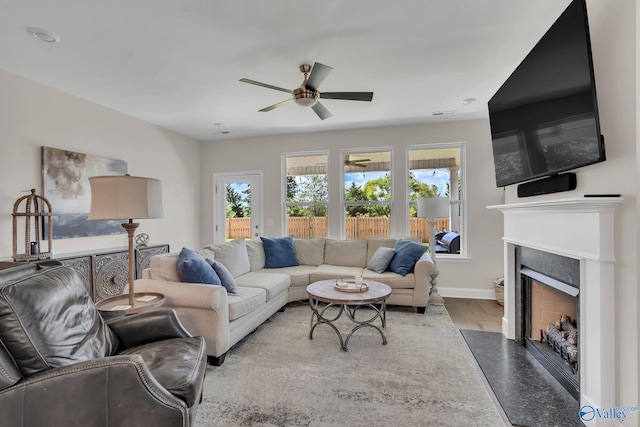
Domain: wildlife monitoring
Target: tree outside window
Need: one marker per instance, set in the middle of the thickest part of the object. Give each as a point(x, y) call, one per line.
point(367, 194)
point(307, 195)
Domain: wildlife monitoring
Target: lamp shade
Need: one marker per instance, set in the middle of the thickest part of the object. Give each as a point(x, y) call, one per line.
point(125, 197)
point(433, 207)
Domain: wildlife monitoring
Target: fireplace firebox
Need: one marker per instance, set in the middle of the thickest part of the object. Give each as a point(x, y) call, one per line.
point(549, 313)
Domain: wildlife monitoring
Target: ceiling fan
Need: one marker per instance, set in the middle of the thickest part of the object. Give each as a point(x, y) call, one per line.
point(308, 95)
point(357, 162)
point(360, 163)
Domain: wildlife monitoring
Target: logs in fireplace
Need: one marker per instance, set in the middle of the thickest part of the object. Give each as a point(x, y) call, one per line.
point(562, 336)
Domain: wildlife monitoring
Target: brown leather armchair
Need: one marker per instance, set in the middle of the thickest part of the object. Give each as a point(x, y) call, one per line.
point(61, 364)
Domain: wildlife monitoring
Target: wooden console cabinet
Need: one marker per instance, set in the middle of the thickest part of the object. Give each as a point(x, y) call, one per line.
point(105, 272)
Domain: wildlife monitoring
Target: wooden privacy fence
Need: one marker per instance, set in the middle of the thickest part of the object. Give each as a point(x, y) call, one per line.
point(355, 227)
point(238, 228)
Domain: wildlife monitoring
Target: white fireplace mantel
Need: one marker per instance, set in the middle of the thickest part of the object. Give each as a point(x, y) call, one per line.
point(581, 228)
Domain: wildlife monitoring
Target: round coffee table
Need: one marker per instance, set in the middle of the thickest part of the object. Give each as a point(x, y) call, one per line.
point(325, 292)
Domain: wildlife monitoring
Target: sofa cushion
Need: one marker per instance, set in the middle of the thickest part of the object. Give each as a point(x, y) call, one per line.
point(9, 372)
point(255, 251)
point(192, 268)
point(309, 251)
point(348, 253)
point(246, 300)
point(279, 252)
point(394, 280)
point(375, 242)
point(49, 321)
point(226, 278)
point(327, 271)
point(381, 259)
point(175, 364)
point(233, 255)
point(299, 274)
point(272, 284)
point(406, 256)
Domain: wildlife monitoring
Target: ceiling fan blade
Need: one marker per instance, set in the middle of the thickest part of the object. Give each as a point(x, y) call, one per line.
point(349, 96)
point(321, 111)
point(319, 72)
point(268, 86)
point(274, 106)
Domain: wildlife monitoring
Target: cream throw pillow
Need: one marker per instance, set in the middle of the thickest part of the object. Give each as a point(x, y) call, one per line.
point(255, 251)
point(233, 255)
point(164, 267)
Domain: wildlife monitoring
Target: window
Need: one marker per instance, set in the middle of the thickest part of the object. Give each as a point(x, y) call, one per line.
point(367, 194)
point(436, 170)
point(306, 190)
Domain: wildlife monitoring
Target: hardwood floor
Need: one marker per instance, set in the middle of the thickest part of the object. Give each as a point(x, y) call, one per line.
point(475, 314)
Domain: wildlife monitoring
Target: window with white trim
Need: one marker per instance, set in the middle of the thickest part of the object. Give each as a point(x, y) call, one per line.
point(306, 189)
point(367, 179)
point(436, 170)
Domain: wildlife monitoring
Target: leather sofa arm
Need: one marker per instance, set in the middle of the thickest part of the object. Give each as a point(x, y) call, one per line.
point(146, 327)
point(129, 395)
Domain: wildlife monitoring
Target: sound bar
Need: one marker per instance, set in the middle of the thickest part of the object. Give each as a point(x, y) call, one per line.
point(553, 184)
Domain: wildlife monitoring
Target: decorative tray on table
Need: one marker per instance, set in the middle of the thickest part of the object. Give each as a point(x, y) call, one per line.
point(350, 286)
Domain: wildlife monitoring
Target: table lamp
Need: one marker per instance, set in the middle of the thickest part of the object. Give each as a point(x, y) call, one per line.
point(432, 208)
point(127, 198)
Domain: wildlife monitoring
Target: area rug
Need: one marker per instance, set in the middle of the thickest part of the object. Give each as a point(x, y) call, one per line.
point(277, 376)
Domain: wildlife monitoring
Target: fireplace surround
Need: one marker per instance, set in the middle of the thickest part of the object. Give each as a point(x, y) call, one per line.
point(582, 229)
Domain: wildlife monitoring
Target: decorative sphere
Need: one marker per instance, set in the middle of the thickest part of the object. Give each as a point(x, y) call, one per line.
point(142, 239)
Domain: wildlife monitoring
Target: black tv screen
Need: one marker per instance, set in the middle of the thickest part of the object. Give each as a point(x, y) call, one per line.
point(544, 118)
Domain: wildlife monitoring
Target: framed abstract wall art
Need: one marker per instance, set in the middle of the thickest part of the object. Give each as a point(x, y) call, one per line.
point(65, 183)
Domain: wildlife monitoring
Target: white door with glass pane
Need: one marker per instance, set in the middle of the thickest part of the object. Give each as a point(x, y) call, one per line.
point(237, 206)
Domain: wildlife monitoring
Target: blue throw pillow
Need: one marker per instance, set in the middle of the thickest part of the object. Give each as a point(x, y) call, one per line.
point(192, 268)
point(224, 274)
point(279, 252)
point(406, 256)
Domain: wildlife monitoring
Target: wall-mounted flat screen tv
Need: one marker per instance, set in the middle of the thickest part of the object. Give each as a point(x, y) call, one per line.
point(544, 118)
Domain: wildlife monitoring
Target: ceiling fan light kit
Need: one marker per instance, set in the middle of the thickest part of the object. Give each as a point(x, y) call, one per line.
point(308, 95)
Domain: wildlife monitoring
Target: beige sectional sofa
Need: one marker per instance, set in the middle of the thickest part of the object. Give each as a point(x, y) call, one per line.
point(225, 318)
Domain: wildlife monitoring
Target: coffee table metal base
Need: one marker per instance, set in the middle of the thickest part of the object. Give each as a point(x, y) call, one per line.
point(318, 317)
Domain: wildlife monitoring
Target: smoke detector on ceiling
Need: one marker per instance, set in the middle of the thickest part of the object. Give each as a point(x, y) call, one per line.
point(44, 35)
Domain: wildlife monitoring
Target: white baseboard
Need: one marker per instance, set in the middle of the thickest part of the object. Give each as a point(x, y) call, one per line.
point(467, 293)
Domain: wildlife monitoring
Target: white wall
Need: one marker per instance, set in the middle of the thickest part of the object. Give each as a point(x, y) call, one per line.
point(33, 115)
point(471, 277)
point(613, 27)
